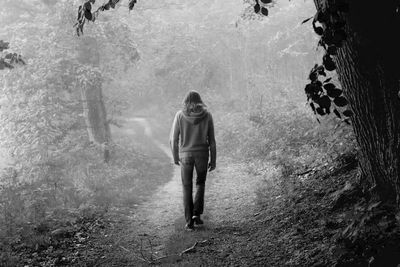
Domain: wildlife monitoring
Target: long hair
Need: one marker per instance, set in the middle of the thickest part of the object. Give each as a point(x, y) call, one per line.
point(192, 102)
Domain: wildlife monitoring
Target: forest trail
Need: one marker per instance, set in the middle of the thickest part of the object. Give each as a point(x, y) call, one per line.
point(155, 216)
point(149, 133)
point(158, 222)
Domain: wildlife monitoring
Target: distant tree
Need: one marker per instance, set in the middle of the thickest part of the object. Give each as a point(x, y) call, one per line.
point(63, 80)
point(94, 110)
point(93, 49)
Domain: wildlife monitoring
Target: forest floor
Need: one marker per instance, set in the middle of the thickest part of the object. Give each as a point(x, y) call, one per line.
point(252, 218)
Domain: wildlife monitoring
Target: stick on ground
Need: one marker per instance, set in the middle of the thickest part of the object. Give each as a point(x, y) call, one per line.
point(192, 248)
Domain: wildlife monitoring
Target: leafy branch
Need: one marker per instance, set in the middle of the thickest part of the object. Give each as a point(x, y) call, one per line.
point(85, 12)
point(260, 7)
point(322, 95)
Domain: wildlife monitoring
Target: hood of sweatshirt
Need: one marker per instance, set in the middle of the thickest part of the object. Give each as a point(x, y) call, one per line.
point(195, 117)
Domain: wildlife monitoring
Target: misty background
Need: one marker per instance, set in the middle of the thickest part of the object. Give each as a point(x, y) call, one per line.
point(73, 120)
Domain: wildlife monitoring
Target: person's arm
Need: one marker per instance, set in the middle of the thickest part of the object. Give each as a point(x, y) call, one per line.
point(212, 144)
point(174, 139)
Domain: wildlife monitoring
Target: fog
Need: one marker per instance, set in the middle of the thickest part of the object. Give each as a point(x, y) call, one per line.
point(86, 122)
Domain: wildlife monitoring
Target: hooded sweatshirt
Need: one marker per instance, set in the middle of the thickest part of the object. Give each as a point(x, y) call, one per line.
point(192, 134)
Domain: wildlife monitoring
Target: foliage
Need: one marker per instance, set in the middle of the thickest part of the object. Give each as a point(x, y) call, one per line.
point(258, 7)
point(289, 139)
point(85, 12)
point(327, 23)
point(323, 96)
point(9, 60)
point(53, 168)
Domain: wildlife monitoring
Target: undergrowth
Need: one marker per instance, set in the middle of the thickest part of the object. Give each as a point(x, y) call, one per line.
point(292, 139)
point(46, 221)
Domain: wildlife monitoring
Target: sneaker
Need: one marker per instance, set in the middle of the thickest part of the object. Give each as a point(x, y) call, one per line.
point(197, 220)
point(189, 227)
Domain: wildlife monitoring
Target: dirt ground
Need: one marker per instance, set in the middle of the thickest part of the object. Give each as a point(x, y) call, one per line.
point(159, 223)
point(154, 231)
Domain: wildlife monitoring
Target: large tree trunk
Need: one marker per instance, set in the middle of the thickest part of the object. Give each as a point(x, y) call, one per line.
point(94, 109)
point(368, 70)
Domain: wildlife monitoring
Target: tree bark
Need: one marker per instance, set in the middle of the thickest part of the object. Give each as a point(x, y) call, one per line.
point(94, 110)
point(368, 70)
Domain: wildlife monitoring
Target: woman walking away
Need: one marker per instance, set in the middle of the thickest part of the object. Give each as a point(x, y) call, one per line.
point(193, 143)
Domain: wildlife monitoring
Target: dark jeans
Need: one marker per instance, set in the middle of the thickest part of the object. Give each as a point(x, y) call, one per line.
point(188, 164)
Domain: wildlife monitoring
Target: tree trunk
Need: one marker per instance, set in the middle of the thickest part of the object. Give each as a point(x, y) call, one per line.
point(94, 109)
point(368, 70)
point(96, 118)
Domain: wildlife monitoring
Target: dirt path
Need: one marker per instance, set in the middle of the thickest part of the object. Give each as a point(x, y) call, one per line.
point(156, 216)
point(231, 202)
point(155, 228)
